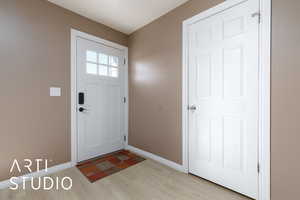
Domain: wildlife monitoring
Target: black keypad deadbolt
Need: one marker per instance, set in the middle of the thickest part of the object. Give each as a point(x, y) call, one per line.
point(81, 98)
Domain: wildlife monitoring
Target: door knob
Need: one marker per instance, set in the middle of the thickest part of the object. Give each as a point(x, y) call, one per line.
point(81, 109)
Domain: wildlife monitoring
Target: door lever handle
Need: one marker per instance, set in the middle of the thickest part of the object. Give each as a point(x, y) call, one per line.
point(192, 107)
point(81, 109)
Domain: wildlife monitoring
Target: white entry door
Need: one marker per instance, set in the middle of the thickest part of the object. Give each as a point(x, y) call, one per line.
point(100, 103)
point(224, 98)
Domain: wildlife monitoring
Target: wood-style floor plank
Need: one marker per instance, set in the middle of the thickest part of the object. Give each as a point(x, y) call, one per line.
point(148, 180)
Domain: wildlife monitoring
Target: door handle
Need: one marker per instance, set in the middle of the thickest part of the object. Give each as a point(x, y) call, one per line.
point(192, 107)
point(81, 109)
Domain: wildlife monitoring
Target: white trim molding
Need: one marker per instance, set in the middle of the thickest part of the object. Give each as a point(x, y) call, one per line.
point(159, 159)
point(264, 93)
point(75, 34)
point(265, 101)
point(6, 184)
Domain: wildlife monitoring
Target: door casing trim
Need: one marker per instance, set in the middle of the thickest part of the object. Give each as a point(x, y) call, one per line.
point(74, 137)
point(264, 90)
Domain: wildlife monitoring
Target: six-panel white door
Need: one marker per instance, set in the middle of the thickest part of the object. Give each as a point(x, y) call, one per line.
point(100, 78)
point(224, 88)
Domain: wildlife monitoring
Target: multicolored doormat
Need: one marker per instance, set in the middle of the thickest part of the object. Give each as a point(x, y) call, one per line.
point(108, 164)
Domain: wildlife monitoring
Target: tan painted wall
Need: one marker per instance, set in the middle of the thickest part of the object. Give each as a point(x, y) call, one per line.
point(285, 98)
point(155, 82)
point(34, 55)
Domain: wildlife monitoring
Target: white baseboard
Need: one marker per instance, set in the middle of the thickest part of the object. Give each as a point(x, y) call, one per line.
point(156, 158)
point(51, 170)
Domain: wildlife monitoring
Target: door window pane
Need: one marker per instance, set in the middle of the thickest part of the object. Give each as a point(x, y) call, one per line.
point(91, 68)
point(113, 72)
point(91, 56)
point(103, 70)
point(103, 59)
point(114, 61)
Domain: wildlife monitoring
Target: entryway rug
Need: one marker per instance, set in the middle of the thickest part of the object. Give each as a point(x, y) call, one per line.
point(108, 164)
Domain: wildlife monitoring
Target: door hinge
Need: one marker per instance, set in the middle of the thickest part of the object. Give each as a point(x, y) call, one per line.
point(258, 168)
point(257, 14)
point(124, 100)
point(125, 138)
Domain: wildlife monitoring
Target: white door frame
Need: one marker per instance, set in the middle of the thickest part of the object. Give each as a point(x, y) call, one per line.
point(264, 90)
point(74, 135)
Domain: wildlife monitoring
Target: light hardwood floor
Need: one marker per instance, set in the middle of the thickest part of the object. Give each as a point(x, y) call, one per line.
point(148, 180)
